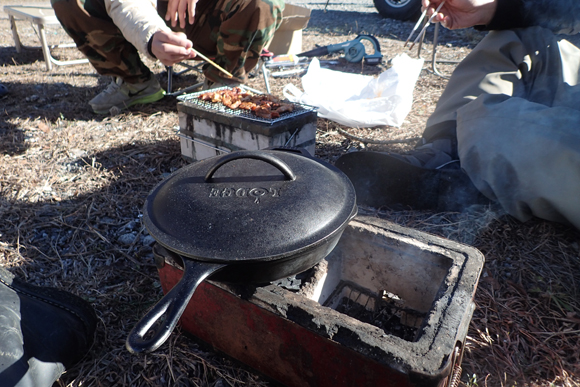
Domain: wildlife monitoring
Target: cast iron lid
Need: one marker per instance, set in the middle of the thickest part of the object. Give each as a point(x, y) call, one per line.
point(249, 206)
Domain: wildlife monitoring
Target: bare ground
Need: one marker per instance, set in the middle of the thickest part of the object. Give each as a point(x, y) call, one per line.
point(72, 186)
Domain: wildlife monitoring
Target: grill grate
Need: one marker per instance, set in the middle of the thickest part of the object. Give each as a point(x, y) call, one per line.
point(192, 99)
point(386, 311)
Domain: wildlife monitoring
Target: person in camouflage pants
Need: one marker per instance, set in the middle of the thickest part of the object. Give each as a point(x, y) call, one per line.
point(112, 35)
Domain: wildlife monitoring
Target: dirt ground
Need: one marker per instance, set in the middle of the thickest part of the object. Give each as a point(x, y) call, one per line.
point(72, 187)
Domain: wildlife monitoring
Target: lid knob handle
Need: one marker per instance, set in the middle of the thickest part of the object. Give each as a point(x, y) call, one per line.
point(256, 155)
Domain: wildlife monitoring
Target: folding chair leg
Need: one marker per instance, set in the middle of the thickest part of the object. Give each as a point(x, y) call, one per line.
point(45, 49)
point(17, 43)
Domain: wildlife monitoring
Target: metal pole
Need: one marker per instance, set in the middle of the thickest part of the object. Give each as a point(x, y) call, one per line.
point(169, 78)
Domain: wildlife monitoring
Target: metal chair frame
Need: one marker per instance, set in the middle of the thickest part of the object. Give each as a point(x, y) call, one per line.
point(41, 16)
point(171, 72)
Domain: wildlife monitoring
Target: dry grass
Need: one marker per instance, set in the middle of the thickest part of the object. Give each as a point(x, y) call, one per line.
point(72, 186)
point(525, 329)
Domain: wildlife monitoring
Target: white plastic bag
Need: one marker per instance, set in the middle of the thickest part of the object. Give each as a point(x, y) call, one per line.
point(360, 100)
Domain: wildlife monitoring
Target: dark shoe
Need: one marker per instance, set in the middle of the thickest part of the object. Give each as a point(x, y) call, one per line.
point(3, 90)
point(437, 154)
point(385, 180)
point(43, 332)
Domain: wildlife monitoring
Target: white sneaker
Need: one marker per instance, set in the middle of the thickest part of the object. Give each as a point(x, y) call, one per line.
point(120, 95)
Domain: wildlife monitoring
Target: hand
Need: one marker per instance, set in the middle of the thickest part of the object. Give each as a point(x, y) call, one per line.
point(178, 9)
point(171, 47)
point(457, 14)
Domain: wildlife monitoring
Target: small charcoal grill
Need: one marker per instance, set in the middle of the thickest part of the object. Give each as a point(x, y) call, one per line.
point(299, 109)
point(389, 307)
point(211, 129)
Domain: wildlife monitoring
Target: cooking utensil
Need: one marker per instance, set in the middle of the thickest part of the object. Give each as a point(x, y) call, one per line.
point(212, 63)
point(426, 24)
point(248, 216)
point(415, 27)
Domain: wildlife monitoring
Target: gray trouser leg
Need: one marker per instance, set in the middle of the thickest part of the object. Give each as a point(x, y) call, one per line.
point(516, 100)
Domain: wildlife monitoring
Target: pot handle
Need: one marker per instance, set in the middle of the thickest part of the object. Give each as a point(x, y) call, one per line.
point(256, 155)
point(156, 326)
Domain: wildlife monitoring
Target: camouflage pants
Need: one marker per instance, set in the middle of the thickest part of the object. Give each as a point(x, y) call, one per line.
point(231, 31)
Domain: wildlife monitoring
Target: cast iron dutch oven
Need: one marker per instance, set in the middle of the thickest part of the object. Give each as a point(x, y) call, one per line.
point(244, 217)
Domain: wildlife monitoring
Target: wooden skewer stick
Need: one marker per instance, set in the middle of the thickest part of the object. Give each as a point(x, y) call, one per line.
point(427, 24)
point(212, 63)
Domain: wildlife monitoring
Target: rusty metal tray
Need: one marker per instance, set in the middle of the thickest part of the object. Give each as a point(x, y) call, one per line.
point(193, 100)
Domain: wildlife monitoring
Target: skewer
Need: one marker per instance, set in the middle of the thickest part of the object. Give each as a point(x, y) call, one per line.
point(416, 26)
point(212, 63)
point(427, 25)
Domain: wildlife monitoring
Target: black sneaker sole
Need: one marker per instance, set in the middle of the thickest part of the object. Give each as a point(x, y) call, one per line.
point(381, 180)
point(58, 298)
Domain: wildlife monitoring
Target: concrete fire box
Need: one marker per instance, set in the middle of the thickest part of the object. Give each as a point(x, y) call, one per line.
point(390, 306)
point(288, 37)
point(207, 130)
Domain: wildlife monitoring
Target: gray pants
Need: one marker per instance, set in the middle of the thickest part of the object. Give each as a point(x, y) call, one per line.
point(516, 102)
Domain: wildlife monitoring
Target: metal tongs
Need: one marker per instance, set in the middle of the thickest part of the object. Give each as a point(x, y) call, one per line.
point(422, 32)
